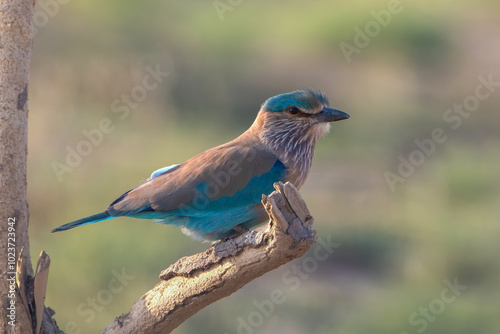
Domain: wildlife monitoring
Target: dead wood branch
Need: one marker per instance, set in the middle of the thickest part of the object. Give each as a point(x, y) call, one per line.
point(196, 281)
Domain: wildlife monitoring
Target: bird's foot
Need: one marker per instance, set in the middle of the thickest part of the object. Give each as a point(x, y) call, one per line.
point(240, 229)
point(236, 232)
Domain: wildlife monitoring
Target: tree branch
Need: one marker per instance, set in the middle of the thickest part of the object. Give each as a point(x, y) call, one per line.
point(196, 281)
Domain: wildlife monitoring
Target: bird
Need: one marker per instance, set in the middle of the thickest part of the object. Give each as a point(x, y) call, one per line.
point(217, 194)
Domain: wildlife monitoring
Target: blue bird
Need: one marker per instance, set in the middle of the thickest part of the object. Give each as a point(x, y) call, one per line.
point(217, 193)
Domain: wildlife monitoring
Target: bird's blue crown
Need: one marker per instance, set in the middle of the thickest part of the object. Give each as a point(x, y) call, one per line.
point(303, 99)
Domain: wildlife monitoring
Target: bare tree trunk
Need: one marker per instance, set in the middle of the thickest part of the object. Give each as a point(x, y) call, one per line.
point(17, 285)
point(196, 281)
point(15, 52)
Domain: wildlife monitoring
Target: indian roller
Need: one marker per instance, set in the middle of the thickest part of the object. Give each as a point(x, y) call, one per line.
point(217, 194)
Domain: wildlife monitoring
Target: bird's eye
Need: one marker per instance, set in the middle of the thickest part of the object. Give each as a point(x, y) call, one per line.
point(293, 110)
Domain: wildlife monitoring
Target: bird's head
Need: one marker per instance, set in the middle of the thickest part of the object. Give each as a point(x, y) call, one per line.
point(299, 117)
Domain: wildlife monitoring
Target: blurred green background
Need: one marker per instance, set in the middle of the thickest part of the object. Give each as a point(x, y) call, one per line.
point(399, 248)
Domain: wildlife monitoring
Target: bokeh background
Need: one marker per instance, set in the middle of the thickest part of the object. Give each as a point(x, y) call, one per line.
point(398, 248)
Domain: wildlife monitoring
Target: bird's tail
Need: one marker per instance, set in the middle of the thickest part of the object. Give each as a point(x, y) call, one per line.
point(84, 221)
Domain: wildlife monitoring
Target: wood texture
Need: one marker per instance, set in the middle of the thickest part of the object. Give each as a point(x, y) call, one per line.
point(17, 284)
point(15, 53)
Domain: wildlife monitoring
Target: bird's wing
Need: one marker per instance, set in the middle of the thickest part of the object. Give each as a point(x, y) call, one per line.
point(222, 178)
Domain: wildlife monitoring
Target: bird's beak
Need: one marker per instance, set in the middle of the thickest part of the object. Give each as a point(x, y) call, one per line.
point(331, 115)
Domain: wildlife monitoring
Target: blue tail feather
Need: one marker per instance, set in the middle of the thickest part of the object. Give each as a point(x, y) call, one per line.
point(84, 221)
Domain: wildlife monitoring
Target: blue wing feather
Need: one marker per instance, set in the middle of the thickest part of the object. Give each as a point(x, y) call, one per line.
point(163, 170)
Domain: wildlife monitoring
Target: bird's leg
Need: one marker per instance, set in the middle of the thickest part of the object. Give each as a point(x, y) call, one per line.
point(238, 230)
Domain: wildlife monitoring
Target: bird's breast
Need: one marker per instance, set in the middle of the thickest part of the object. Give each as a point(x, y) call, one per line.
point(298, 164)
